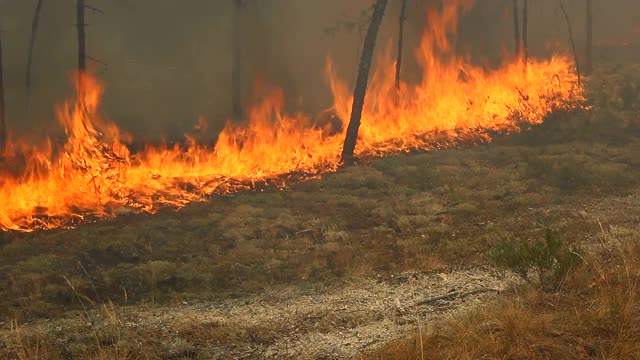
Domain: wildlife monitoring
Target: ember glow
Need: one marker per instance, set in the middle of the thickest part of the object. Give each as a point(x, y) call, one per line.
point(95, 176)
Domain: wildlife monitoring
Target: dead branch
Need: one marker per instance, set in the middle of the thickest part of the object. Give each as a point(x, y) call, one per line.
point(105, 66)
point(94, 9)
point(454, 295)
point(32, 42)
point(573, 44)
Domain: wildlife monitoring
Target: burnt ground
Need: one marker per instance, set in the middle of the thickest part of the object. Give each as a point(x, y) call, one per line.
point(326, 268)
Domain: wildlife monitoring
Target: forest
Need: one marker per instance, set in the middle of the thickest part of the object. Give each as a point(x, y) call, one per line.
point(371, 179)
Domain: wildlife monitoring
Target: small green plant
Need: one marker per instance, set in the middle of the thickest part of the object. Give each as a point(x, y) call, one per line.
point(550, 259)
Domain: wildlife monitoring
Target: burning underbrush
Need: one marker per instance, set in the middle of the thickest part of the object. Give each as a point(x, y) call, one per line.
point(94, 174)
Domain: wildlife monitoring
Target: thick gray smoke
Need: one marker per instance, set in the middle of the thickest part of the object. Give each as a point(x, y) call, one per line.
point(169, 62)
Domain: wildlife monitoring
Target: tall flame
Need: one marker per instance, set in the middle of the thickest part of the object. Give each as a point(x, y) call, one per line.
point(94, 175)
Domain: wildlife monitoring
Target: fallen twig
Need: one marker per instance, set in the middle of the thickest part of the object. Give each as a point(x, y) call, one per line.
point(454, 295)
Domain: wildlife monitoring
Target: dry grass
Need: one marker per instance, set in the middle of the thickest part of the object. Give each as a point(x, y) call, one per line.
point(596, 314)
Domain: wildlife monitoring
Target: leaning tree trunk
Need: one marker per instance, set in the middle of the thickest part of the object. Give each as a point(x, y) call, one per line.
point(236, 79)
point(571, 41)
point(525, 32)
point(82, 57)
point(589, 37)
point(32, 42)
point(400, 43)
point(516, 29)
point(3, 125)
point(361, 82)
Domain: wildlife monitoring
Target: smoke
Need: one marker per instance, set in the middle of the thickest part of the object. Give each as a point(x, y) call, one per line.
point(169, 62)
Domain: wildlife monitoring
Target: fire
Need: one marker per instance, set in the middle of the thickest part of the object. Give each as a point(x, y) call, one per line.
point(93, 175)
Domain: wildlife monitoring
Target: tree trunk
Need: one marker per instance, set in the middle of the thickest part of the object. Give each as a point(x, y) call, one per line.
point(400, 43)
point(3, 125)
point(571, 41)
point(525, 32)
point(589, 36)
point(82, 58)
point(236, 79)
point(516, 28)
point(361, 82)
point(32, 42)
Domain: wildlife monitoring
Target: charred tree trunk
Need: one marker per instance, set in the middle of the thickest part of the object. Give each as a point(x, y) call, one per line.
point(361, 82)
point(400, 43)
point(236, 79)
point(525, 32)
point(82, 57)
point(32, 42)
point(589, 37)
point(516, 29)
point(571, 41)
point(3, 124)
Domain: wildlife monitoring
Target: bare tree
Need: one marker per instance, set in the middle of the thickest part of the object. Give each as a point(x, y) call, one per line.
point(236, 79)
point(571, 41)
point(516, 28)
point(589, 37)
point(82, 56)
point(362, 81)
point(3, 125)
point(400, 42)
point(525, 32)
point(32, 41)
point(80, 25)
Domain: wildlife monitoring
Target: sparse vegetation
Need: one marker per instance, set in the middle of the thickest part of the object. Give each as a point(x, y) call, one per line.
point(594, 314)
point(550, 259)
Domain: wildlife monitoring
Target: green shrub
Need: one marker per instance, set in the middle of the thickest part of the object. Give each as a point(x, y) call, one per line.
point(550, 259)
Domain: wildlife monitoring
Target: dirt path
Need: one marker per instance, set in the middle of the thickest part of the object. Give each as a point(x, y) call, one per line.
point(291, 323)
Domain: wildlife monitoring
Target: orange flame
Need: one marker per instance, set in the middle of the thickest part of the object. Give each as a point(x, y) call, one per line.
point(94, 175)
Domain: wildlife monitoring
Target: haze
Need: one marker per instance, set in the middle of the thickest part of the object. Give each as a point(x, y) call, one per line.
point(169, 62)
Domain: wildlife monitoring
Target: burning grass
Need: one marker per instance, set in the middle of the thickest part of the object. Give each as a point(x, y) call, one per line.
point(94, 175)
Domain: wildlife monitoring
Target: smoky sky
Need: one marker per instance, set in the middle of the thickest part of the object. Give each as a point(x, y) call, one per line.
point(167, 62)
